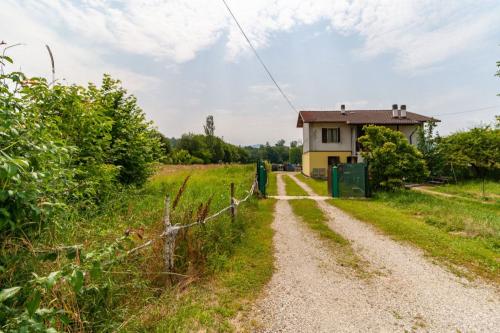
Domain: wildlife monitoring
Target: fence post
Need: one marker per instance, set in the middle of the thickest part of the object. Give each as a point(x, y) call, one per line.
point(335, 182)
point(168, 247)
point(233, 208)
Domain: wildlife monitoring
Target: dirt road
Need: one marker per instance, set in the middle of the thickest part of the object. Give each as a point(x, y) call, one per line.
point(311, 292)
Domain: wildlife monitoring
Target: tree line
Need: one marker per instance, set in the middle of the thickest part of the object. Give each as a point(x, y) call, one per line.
point(207, 148)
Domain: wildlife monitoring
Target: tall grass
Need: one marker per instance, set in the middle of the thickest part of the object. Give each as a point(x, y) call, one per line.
point(130, 284)
point(473, 189)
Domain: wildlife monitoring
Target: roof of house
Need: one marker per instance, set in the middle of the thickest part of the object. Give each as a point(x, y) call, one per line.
point(360, 117)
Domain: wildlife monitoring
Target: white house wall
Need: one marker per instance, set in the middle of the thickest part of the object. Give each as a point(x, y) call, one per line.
point(312, 135)
point(315, 137)
point(305, 133)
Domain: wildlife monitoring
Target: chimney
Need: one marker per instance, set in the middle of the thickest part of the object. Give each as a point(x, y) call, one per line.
point(395, 112)
point(342, 109)
point(402, 112)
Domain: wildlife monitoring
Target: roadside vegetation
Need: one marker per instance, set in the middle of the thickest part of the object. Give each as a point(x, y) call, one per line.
point(308, 212)
point(319, 186)
point(473, 189)
point(76, 195)
point(212, 302)
point(292, 188)
point(462, 234)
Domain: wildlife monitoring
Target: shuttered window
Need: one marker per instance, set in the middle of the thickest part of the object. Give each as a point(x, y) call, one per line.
point(329, 135)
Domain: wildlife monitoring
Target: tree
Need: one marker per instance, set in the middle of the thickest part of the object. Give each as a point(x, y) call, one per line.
point(209, 126)
point(428, 144)
point(478, 148)
point(392, 160)
point(295, 154)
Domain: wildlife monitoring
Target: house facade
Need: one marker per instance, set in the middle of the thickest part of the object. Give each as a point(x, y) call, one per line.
point(331, 137)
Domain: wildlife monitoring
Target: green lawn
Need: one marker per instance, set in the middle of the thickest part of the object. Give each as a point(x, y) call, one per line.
point(308, 212)
point(473, 189)
point(272, 186)
point(461, 233)
point(319, 186)
point(291, 187)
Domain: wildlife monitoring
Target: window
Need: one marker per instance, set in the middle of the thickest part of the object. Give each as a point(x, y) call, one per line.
point(330, 135)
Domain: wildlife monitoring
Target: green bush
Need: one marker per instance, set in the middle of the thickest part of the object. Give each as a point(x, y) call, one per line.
point(64, 145)
point(392, 160)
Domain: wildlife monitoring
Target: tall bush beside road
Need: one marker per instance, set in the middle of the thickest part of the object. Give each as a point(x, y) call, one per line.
point(392, 160)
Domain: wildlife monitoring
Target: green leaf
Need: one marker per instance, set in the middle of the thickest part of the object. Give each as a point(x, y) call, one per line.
point(5, 294)
point(6, 58)
point(34, 302)
point(76, 280)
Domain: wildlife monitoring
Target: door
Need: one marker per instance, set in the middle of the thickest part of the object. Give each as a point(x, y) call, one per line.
point(333, 160)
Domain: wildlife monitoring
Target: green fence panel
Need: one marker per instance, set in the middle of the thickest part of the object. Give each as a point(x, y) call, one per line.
point(353, 180)
point(261, 177)
point(335, 182)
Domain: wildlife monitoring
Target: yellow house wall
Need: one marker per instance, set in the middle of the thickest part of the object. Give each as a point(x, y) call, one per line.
point(319, 159)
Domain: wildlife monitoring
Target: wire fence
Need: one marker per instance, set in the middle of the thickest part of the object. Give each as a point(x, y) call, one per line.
point(170, 232)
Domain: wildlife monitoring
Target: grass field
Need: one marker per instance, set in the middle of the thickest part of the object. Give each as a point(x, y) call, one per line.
point(473, 189)
point(292, 188)
point(319, 186)
point(459, 233)
point(309, 213)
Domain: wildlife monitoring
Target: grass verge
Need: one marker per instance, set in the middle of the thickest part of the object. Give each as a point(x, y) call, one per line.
point(292, 188)
point(272, 185)
point(212, 302)
point(309, 213)
point(319, 186)
point(439, 226)
point(473, 189)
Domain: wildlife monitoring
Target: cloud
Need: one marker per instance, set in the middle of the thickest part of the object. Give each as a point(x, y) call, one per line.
point(419, 33)
point(74, 63)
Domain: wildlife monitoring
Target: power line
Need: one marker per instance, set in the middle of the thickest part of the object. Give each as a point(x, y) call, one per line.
point(260, 59)
point(465, 111)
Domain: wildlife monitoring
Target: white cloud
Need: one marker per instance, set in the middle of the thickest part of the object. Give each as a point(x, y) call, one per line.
point(74, 63)
point(419, 32)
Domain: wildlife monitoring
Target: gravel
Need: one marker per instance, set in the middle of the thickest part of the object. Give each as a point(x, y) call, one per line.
point(311, 292)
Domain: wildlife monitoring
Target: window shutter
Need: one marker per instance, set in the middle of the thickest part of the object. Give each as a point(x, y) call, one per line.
point(338, 134)
point(323, 135)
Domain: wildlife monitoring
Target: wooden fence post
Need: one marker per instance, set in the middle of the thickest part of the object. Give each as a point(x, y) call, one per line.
point(168, 255)
point(233, 210)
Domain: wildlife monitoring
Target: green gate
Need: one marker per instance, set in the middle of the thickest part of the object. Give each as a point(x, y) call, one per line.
point(261, 177)
point(350, 180)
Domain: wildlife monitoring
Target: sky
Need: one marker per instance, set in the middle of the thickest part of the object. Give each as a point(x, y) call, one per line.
point(186, 59)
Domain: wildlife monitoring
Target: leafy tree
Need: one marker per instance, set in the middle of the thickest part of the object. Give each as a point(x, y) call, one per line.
point(209, 126)
point(392, 160)
point(295, 155)
point(478, 148)
point(428, 144)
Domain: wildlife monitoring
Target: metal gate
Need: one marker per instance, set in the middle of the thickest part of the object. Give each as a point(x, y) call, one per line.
point(350, 180)
point(261, 177)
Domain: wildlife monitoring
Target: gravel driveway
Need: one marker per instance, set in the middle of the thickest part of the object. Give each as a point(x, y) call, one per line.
point(311, 292)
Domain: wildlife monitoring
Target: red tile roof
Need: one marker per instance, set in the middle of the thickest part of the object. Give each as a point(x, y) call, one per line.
point(360, 117)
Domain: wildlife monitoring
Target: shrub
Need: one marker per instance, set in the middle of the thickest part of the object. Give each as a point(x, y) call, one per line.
point(392, 160)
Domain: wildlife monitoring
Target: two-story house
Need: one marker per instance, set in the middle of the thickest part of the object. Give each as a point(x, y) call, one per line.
point(331, 137)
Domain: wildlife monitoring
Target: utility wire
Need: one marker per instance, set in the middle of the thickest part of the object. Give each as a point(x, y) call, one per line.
point(260, 59)
point(465, 111)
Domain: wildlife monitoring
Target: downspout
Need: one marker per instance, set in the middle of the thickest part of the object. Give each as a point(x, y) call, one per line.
point(411, 135)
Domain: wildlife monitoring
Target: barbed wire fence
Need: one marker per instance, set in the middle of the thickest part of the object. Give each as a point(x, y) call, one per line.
point(170, 232)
